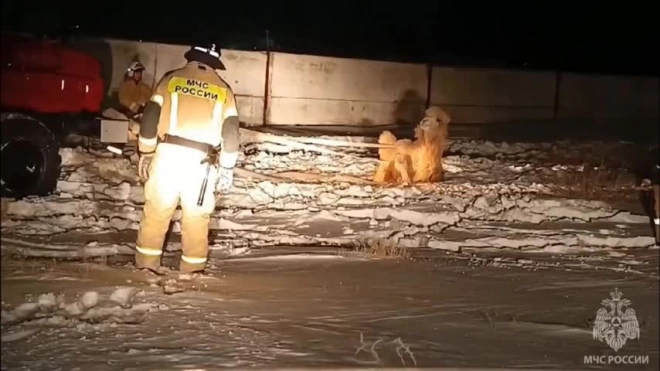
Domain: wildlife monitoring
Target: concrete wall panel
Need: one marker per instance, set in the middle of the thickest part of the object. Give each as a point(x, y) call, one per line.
point(312, 90)
point(301, 111)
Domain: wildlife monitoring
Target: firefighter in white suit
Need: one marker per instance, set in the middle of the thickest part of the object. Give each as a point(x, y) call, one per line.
point(191, 113)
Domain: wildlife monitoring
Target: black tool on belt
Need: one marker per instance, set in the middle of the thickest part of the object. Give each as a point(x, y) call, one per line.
point(212, 158)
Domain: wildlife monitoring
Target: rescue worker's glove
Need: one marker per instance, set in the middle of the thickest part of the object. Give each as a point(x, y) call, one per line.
point(225, 179)
point(144, 165)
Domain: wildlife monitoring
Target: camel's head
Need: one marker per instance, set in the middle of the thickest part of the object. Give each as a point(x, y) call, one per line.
point(435, 120)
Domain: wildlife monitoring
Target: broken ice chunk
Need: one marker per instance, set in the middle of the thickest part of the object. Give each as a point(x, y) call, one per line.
point(47, 302)
point(123, 296)
point(74, 309)
point(89, 299)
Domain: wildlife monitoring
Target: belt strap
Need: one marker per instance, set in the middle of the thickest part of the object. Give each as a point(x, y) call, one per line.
point(180, 141)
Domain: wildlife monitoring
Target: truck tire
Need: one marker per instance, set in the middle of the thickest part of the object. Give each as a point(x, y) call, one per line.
point(30, 158)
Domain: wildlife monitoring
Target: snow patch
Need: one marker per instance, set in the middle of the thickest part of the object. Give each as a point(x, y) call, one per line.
point(487, 182)
point(88, 308)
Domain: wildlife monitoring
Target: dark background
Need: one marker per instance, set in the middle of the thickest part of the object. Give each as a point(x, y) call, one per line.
point(571, 36)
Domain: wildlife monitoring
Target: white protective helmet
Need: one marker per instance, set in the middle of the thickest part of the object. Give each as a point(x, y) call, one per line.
point(134, 67)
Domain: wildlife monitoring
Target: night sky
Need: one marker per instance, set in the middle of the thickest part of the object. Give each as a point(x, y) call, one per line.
point(555, 36)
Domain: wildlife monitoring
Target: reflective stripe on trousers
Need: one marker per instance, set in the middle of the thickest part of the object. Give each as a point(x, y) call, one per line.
point(148, 251)
point(192, 260)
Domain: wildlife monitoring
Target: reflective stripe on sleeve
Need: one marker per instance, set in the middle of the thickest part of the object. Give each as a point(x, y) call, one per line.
point(192, 260)
point(148, 251)
point(231, 111)
point(148, 141)
point(656, 221)
point(158, 99)
point(228, 160)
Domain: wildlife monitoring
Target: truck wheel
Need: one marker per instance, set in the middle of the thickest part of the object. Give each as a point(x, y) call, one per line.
point(30, 158)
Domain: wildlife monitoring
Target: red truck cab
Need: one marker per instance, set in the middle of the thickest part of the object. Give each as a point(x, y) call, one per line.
point(47, 90)
point(44, 76)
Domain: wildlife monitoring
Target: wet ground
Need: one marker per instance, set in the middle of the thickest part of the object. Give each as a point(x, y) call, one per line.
point(511, 258)
point(272, 310)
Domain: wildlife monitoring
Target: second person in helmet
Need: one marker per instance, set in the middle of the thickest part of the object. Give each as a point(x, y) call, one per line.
point(133, 92)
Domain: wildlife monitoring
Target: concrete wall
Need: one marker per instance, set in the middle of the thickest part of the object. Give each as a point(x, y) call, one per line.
point(310, 90)
point(313, 90)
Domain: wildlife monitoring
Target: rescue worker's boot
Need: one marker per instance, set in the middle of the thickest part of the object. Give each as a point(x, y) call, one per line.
point(161, 193)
